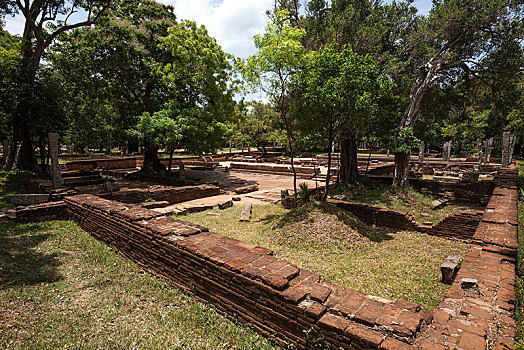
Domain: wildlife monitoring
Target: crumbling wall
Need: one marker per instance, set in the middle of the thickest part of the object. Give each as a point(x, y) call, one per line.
point(278, 299)
point(171, 195)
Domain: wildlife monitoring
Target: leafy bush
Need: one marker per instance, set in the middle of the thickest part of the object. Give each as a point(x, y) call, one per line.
point(305, 194)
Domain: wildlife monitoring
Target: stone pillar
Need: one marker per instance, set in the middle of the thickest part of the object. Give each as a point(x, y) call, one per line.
point(508, 145)
point(421, 151)
point(487, 154)
point(512, 141)
point(54, 148)
point(479, 150)
point(446, 151)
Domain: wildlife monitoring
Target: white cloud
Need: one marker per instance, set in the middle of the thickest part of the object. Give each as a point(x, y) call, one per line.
point(233, 23)
point(15, 25)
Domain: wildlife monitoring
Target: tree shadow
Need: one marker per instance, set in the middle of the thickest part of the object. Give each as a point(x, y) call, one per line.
point(20, 263)
point(302, 213)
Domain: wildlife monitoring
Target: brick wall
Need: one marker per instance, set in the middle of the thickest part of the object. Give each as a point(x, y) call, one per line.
point(171, 195)
point(272, 168)
point(461, 225)
point(465, 320)
point(275, 297)
point(295, 306)
point(113, 163)
point(378, 216)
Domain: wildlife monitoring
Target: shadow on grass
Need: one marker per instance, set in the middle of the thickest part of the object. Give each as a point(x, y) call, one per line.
point(304, 212)
point(20, 263)
point(12, 182)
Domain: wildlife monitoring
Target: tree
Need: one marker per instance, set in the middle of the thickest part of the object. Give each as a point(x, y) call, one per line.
point(336, 92)
point(454, 35)
point(370, 27)
point(280, 56)
point(45, 20)
point(199, 77)
point(155, 131)
point(110, 71)
point(258, 127)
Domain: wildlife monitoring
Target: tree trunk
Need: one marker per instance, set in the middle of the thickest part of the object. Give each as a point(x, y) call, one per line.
point(9, 157)
point(348, 160)
point(418, 90)
point(26, 157)
point(401, 170)
point(152, 164)
point(328, 175)
point(41, 147)
point(170, 162)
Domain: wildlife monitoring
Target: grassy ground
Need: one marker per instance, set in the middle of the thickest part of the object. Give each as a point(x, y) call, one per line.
point(60, 288)
point(416, 203)
point(343, 250)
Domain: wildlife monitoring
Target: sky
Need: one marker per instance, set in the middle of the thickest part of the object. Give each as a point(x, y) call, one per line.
point(232, 22)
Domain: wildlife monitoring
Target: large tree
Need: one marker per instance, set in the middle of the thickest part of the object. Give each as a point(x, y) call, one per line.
point(280, 56)
point(452, 38)
point(337, 93)
point(45, 20)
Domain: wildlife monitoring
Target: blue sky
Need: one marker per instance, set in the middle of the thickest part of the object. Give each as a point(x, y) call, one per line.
point(233, 23)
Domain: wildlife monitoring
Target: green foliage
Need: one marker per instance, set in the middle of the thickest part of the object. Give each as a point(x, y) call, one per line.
point(200, 80)
point(280, 55)
point(9, 67)
point(157, 130)
point(110, 71)
point(305, 194)
point(257, 125)
point(338, 91)
point(403, 140)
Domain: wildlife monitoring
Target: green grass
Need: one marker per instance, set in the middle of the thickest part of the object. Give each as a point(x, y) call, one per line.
point(416, 203)
point(335, 244)
point(60, 288)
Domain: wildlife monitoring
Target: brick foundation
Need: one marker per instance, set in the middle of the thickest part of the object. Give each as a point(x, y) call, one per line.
point(171, 195)
point(295, 306)
point(275, 297)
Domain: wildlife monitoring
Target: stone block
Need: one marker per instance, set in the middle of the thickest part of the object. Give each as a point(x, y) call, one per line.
point(225, 204)
point(245, 215)
point(470, 285)
point(26, 199)
point(449, 269)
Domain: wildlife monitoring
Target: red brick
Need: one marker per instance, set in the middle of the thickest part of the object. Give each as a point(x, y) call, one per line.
point(315, 310)
point(333, 322)
point(319, 293)
point(470, 341)
point(274, 280)
point(394, 344)
point(295, 294)
point(363, 335)
point(369, 312)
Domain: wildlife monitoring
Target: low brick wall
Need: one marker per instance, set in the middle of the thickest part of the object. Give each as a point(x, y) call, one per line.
point(378, 216)
point(113, 163)
point(171, 195)
point(42, 212)
point(476, 192)
point(295, 306)
point(465, 320)
point(286, 169)
point(462, 225)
